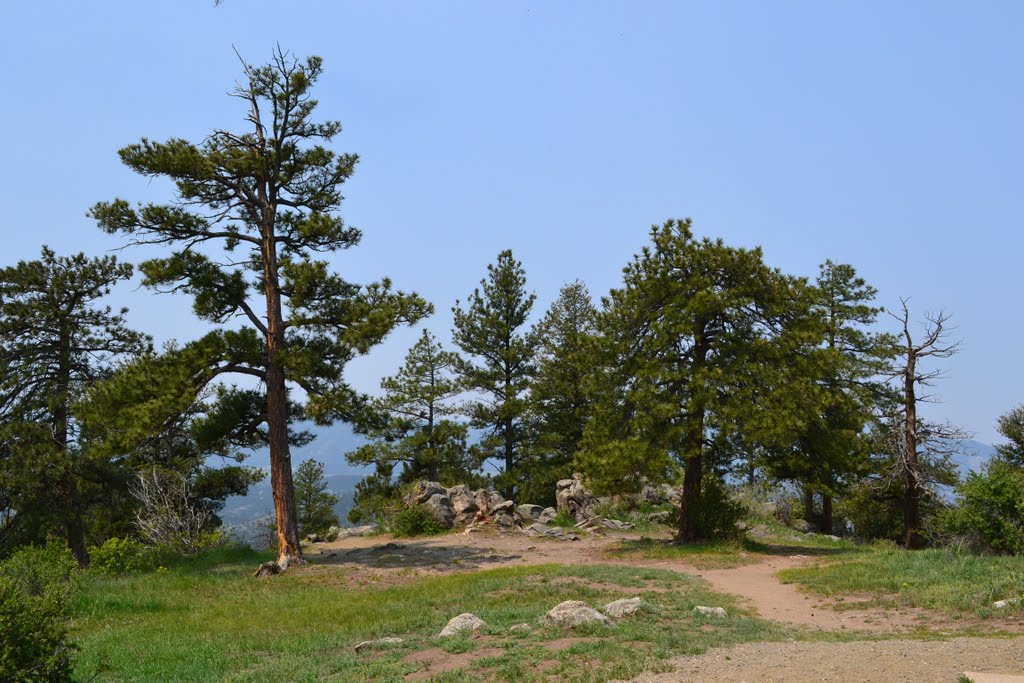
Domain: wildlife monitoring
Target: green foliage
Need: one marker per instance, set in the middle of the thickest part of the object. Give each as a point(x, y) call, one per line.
point(694, 347)
point(1011, 426)
point(314, 501)
point(490, 331)
point(413, 521)
point(36, 588)
point(408, 424)
point(56, 340)
point(990, 514)
point(273, 190)
point(559, 394)
point(719, 513)
point(122, 556)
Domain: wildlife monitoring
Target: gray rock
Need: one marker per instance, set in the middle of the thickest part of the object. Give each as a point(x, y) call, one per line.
point(440, 508)
point(378, 644)
point(573, 498)
point(623, 607)
point(528, 514)
point(617, 525)
point(422, 491)
point(661, 517)
point(365, 530)
point(463, 500)
point(561, 534)
point(504, 518)
point(548, 515)
point(521, 628)
point(487, 501)
point(1001, 604)
point(801, 525)
point(574, 613)
point(709, 611)
point(759, 531)
point(462, 623)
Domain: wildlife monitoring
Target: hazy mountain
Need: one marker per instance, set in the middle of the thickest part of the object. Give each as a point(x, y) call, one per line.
point(972, 456)
point(329, 447)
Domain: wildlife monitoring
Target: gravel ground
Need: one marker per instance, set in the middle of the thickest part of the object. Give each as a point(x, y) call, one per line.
point(890, 661)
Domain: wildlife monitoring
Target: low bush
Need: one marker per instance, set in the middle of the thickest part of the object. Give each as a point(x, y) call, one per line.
point(718, 514)
point(122, 556)
point(36, 588)
point(413, 521)
point(990, 516)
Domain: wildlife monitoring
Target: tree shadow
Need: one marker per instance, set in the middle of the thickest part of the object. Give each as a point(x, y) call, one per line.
point(415, 554)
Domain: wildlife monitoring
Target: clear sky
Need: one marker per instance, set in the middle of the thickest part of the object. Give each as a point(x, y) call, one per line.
point(885, 135)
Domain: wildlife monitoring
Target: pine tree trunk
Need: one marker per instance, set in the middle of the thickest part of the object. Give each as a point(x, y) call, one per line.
point(808, 505)
point(282, 486)
point(688, 532)
point(826, 514)
point(71, 503)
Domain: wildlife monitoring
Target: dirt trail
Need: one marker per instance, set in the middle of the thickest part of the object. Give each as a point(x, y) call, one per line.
point(757, 584)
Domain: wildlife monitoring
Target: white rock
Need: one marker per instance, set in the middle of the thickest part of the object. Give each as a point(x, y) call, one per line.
point(463, 622)
point(1000, 604)
point(521, 628)
point(382, 642)
point(573, 613)
point(623, 607)
point(709, 611)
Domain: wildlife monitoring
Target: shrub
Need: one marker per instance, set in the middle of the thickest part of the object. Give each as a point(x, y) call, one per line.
point(991, 510)
point(717, 512)
point(413, 521)
point(122, 556)
point(36, 587)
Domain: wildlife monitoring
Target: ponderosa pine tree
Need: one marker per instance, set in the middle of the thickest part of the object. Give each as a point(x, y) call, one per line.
point(314, 499)
point(56, 340)
point(845, 364)
point(274, 191)
point(559, 394)
point(409, 424)
point(500, 366)
point(690, 349)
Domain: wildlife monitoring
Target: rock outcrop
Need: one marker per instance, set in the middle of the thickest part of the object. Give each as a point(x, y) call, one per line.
point(573, 498)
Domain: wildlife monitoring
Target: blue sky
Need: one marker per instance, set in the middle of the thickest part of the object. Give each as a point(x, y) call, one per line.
point(885, 135)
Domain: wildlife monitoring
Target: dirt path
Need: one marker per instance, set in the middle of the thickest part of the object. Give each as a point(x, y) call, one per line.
point(884, 661)
point(757, 584)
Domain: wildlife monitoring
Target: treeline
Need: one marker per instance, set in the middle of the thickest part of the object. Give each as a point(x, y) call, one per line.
point(705, 367)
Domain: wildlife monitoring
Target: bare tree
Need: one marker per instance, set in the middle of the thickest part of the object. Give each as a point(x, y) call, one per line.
point(169, 513)
point(912, 438)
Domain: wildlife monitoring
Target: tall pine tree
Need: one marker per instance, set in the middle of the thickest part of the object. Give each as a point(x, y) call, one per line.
point(559, 395)
point(690, 345)
point(273, 190)
point(491, 331)
point(410, 423)
point(56, 340)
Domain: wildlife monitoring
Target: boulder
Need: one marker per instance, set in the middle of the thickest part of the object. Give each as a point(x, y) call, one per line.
point(422, 491)
point(378, 644)
point(651, 495)
point(573, 498)
point(364, 530)
point(623, 607)
point(440, 508)
point(548, 515)
point(462, 623)
point(801, 525)
point(463, 500)
point(487, 501)
point(616, 524)
point(527, 514)
point(574, 613)
point(709, 611)
point(662, 517)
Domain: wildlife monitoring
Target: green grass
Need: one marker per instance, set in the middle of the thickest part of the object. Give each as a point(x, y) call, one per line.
point(208, 620)
point(723, 554)
point(941, 580)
